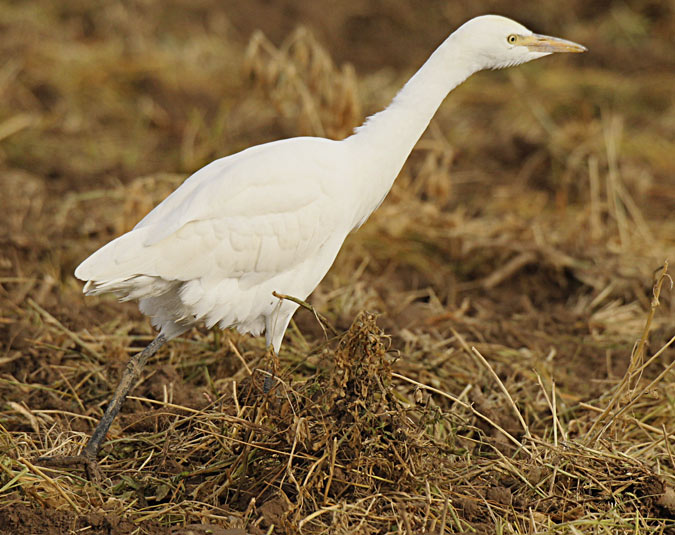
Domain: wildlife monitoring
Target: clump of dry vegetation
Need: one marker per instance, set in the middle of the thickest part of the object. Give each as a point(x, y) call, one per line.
point(302, 81)
point(494, 349)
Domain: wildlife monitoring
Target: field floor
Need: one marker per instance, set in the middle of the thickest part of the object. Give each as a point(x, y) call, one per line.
point(492, 352)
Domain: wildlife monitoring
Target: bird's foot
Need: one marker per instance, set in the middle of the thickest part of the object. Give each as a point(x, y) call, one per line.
point(88, 462)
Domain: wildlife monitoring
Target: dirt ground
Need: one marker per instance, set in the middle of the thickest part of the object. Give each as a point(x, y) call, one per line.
point(495, 347)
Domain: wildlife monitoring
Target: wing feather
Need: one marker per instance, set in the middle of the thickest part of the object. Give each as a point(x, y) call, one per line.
point(259, 211)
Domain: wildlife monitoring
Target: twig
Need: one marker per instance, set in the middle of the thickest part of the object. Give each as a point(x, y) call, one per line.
point(635, 367)
point(319, 317)
point(52, 320)
point(238, 355)
point(503, 389)
point(552, 405)
point(508, 270)
point(466, 406)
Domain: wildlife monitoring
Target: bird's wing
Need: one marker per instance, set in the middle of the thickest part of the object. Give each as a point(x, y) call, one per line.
point(259, 213)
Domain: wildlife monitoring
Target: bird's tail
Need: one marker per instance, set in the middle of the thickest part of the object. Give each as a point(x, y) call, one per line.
point(123, 267)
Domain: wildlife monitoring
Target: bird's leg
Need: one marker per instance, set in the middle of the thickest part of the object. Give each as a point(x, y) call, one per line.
point(129, 378)
point(270, 374)
point(87, 456)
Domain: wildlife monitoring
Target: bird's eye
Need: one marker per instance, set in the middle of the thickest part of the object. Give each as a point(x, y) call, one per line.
point(512, 38)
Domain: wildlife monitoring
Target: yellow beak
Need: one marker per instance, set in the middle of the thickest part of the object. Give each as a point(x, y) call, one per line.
point(546, 43)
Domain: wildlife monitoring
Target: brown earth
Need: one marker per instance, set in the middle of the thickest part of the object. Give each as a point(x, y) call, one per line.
point(531, 223)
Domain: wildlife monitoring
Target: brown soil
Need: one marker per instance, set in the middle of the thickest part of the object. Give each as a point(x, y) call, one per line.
point(529, 228)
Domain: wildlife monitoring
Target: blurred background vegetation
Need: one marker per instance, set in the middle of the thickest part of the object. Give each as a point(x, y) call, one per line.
point(531, 219)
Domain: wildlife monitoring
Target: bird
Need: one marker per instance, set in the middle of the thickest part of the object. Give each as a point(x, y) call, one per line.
point(272, 218)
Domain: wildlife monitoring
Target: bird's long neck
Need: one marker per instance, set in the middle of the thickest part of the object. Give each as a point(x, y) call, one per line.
point(386, 139)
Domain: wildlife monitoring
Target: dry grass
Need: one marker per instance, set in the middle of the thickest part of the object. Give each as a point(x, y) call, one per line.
point(518, 374)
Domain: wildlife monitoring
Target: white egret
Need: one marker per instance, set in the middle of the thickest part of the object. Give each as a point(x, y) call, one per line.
point(272, 218)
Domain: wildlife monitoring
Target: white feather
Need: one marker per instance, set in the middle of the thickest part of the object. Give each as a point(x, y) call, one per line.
point(273, 217)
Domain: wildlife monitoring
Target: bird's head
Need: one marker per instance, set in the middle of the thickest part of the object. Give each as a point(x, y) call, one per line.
point(498, 42)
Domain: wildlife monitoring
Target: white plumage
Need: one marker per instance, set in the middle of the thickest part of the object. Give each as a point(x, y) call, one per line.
point(273, 217)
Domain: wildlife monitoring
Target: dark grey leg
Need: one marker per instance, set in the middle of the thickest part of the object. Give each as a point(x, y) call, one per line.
point(270, 375)
point(129, 377)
